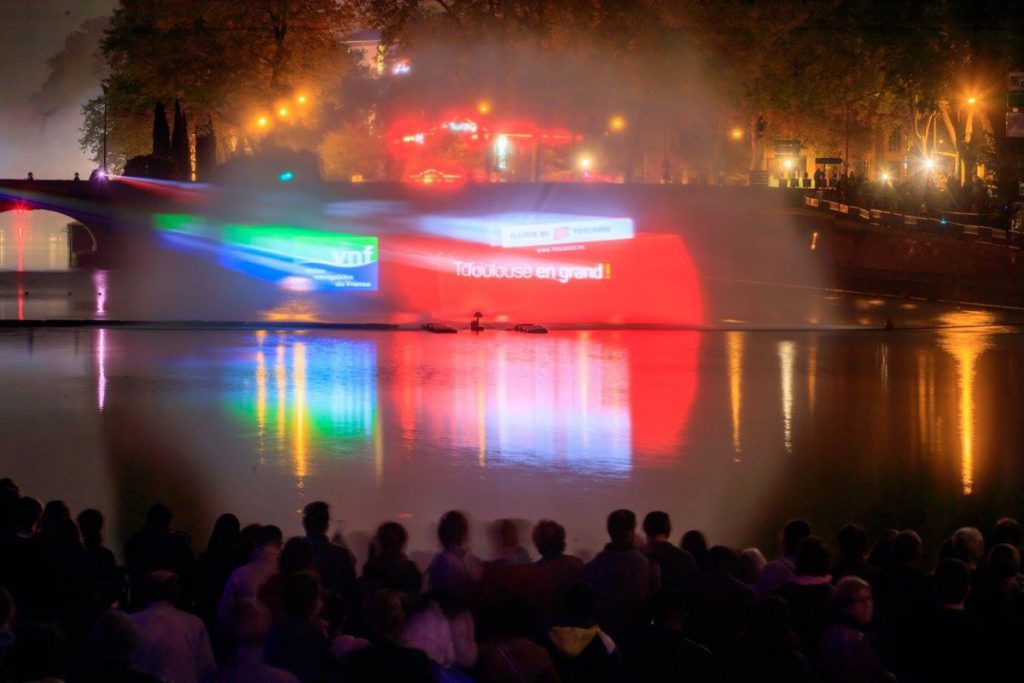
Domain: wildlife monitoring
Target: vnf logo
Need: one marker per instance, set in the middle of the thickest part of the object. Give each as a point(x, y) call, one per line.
point(353, 258)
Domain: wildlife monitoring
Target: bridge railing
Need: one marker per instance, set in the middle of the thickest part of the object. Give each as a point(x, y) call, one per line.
point(919, 224)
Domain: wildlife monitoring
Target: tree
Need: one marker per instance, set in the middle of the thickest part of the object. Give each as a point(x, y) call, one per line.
point(181, 152)
point(226, 61)
point(161, 133)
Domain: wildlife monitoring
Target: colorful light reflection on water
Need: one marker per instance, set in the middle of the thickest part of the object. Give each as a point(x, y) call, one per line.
point(730, 432)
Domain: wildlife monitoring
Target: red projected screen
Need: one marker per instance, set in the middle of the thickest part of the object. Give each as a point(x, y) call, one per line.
point(639, 280)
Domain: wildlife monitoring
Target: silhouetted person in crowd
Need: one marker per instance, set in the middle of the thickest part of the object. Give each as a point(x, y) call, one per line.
point(384, 660)
point(173, 644)
point(7, 614)
point(77, 178)
point(1007, 530)
point(55, 511)
point(554, 572)
point(509, 551)
point(853, 550)
point(297, 643)
point(388, 566)
point(334, 563)
point(677, 566)
point(948, 646)
point(511, 655)
point(251, 622)
point(968, 545)
point(9, 495)
point(214, 565)
point(31, 176)
point(693, 542)
point(296, 556)
point(38, 655)
point(847, 653)
point(809, 594)
point(155, 547)
point(782, 568)
point(903, 597)
point(21, 570)
point(766, 651)
point(114, 640)
point(455, 570)
point(108, 572)
point(665, 653)
point(580, 650)
point(719, 602)
point(72, 592)
point(880, 557)
point(623, 579)
point(443, 627)
point(245, 582)
point(749, 566)
point(996, 605)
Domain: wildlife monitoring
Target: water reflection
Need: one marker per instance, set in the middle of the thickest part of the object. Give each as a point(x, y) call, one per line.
point(966, 346)
point(787, 354)
point(34, 241)
point(734, 345)
point(553, 402)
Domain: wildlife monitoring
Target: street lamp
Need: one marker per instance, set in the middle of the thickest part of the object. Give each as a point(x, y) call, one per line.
point(617, 123)
point(736, 133)
point(846, 159)
point(484, 107)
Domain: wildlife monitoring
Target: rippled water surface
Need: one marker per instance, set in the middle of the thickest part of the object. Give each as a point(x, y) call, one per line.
point(730, 430)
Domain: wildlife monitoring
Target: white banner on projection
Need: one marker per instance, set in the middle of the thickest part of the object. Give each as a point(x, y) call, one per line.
point(554, 230)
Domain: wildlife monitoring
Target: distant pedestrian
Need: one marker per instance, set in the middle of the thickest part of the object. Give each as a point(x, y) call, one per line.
point(30, 176)
point(76, 177)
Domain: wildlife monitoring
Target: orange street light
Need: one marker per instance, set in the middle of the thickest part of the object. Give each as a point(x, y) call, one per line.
point(262, 122)
point(736, 133)
point(484, 107)
point(585, 162)
point(617, 123)
point(301, 99)
point(972, 100)
point(282, 112)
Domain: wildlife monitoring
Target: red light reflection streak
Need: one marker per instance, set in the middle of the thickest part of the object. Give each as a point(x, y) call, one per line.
point(19, 239)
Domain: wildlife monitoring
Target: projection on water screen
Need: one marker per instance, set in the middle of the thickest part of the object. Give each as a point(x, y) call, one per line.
point(542, 267)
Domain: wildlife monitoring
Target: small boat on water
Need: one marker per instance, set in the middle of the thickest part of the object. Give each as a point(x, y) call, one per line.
point(438, 328)
point(529, 328)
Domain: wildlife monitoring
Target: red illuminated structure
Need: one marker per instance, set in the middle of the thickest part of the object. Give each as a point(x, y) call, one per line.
point(472, 147)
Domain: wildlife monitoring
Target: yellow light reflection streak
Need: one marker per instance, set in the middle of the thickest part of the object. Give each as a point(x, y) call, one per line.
point(812, 373)
point(734, 348)
point(280, 383)
point(966, 346)
point(787, 353)
point(261, 395)
point(299, 411)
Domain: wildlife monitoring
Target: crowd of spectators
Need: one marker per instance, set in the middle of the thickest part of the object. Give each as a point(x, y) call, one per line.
point(254, 607)
point(937, 196)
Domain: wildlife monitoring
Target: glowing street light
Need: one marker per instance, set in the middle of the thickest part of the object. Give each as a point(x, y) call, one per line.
point(736, 133)
point(586, 162)
point(282, 112)
point(262, 122)
point(301, 99)
point(484, 107)
point(787, 163)
point(886, 177)
point(617, 123)
point(972, 100)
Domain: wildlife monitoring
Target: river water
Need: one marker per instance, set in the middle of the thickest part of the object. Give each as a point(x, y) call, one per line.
point(732, 430)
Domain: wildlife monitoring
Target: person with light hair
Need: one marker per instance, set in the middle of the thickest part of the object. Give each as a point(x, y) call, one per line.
point(968, 545)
